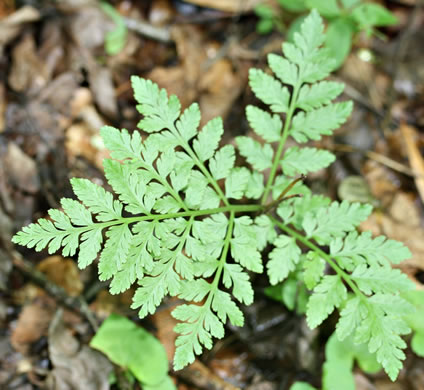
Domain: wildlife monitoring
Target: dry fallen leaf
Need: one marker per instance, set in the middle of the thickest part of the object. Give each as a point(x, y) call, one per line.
point(11, 26)
point(32, 323)
point(76, 367)
point(28, 72)
point(21, 170)
point(415, 158)
point(63, 272)
point(220, 87)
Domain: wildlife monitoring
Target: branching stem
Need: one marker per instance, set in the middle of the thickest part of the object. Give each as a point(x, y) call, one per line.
point(279, 153)
point(201, 166)
point(346, 277)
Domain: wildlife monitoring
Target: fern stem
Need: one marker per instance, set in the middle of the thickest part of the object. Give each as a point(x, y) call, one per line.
point(165, 183)
point(201, 166)
point(222, 261)
point(283, 140)
point(224, 253)
point(206, 172)
point(323, 255)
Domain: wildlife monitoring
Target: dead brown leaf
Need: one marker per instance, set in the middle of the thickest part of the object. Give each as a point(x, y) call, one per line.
point(220, 87)
point(383, 182)
point(415, 158)
point(32, 323)
point(28, 72)
point(21, 169)
point(76, 367)
point(11, 26)
point(165, 324)
point(63, 272)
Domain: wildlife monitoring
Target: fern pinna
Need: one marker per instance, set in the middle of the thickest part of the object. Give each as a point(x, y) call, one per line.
point(186, 237)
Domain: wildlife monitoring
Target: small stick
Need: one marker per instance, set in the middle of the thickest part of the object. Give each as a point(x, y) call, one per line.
point(282, 196)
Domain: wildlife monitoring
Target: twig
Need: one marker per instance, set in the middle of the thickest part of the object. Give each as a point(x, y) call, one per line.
point(161, 34)
point(380, 158)
point(76, 304)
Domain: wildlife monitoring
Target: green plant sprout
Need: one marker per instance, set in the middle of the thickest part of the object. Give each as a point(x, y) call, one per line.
point(195, 224)
point(345, 19)
point(121, 341)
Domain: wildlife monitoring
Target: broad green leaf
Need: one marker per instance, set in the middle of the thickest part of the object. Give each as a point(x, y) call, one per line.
point(371, 14)
point(293, 6)
point(302, 386)
point(339, 39)
point(326, 8)
point(132, 348)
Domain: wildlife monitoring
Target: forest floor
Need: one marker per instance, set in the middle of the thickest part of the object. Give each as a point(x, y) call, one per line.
point(59, 85)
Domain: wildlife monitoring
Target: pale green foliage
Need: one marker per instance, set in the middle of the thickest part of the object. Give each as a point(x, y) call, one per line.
point(172, 229)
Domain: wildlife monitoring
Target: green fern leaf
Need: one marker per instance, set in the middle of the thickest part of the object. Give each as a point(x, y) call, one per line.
point(244, 245)
point(301, 161)
point(208, 139)
point(360, 249)
point(283, 259)
point(313, 124)
point(269, 90)
point(264, 124)
point(318, 95)
point(335, 220)
point(329, 294)
point(381, 279)
point(260, 157)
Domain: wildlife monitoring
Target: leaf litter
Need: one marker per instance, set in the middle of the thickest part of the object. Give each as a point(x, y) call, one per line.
point(47, 74)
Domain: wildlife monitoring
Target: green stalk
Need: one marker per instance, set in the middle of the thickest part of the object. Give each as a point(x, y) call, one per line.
point(201, 166)
point(322, 254)
point(222, 261)
point(279, 153)
point(248, 208)
point(223, 258)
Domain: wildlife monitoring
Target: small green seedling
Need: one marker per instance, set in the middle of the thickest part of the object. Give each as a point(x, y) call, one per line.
point(123, 343)
point(345, 19)
point(189, 223)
